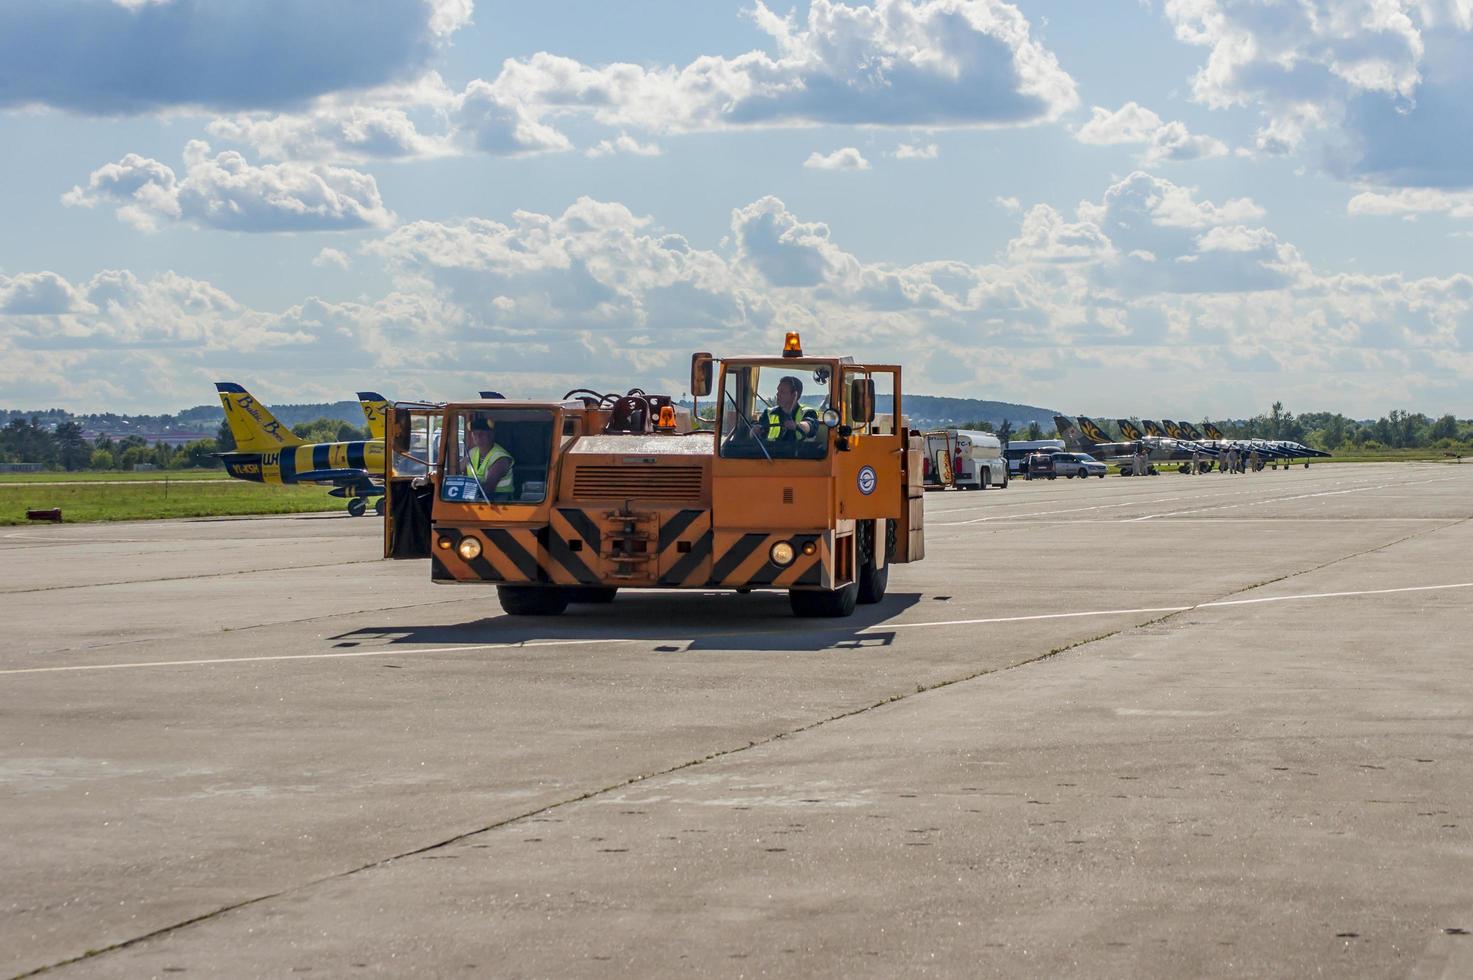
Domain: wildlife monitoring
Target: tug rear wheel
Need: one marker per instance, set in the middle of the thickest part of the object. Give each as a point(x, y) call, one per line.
point(825, 605)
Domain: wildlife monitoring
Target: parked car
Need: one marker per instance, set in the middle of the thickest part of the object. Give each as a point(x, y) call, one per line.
point(1081, 465)
point(1039, 466)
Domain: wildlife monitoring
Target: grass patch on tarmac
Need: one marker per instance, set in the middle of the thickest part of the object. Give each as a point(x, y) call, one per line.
point(84, 500)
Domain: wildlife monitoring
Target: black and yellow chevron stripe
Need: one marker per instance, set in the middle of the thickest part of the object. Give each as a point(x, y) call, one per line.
point(580, 547)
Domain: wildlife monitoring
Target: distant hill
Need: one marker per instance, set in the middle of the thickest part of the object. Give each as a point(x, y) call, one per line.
point(938, 412)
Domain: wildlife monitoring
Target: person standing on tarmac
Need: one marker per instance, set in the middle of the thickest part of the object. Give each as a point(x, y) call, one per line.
point(1253, 462)
point(1196, 462)
point(487, 461)
point(789, 421)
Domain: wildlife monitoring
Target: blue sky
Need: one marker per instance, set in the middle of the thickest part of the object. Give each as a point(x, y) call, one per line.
point(1184, 207)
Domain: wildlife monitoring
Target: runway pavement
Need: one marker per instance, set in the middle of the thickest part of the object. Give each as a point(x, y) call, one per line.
point(1205, 726)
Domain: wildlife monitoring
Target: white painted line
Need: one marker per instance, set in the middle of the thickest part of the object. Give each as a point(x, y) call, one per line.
point(1334, 595)
point(878, 628)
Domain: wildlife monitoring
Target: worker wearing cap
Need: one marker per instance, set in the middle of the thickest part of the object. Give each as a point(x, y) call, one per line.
point(788, 421)
point(488, 462)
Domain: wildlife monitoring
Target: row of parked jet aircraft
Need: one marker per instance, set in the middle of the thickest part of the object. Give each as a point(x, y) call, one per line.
point(1171, 442)
point(266, 451)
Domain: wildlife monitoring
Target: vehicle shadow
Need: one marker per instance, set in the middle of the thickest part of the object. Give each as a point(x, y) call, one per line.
point(677, 622)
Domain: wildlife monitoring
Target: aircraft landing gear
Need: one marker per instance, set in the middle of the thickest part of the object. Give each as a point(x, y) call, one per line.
point(378, 507)
point(357, 507)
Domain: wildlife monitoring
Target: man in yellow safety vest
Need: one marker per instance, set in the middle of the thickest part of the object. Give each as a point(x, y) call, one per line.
point(788, 421)
point(488, 462)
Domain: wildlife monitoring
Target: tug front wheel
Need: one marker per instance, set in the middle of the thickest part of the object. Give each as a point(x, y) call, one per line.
point(531, 600)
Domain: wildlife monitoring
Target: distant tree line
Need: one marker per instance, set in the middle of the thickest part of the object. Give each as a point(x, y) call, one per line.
point(63, 447)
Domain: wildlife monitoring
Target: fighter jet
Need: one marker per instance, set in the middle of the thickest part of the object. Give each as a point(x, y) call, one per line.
point(375, 409)
point(1084, 435)
point(1272, 450)
point(266, 451)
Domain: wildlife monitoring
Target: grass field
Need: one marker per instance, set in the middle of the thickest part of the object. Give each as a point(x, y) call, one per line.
point(94, 500)
point(113, 476)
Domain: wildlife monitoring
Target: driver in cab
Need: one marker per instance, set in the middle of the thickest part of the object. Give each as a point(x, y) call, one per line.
point(487, 461)
point(788, 421)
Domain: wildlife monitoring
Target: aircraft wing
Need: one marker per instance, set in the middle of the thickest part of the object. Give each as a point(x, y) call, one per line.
point(339, 478)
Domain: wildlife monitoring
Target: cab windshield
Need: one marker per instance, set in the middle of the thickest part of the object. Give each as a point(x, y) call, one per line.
point(775, 411)
point(497, 455)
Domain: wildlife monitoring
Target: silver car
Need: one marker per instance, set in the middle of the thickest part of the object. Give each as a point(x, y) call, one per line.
point(1082, 465)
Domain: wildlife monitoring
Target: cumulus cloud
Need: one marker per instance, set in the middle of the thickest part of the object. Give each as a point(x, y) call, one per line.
point(1133, 123)
point(226, 192)
point(1385, 80)
point(84, 55)
point(917, 151)
point(39, 294)
point(623, 144)
point(1147, 278)
point(1410, 202)
point(331, 258)
point(847, 158)
point(897, 63)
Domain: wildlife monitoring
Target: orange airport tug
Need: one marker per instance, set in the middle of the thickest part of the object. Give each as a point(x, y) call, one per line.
point(795, 482)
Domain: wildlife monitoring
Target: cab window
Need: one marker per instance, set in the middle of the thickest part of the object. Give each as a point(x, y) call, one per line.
point(775, 411)
point(498, 455)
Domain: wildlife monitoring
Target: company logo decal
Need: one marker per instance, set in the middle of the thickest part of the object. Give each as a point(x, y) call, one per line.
point(867, 480)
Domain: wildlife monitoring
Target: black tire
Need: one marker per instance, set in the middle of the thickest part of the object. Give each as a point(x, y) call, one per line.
point(531, 600)
point(378, 507)
point(1052, 475)
point(984, 479)
point(872, 581)
point(593, 595)
point(824, 605)
point(1102, 474)
point(357, 507)
point(1005, 479)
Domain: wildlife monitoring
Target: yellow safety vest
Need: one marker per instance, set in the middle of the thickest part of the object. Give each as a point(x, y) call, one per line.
point(481, 465)
point(775, 422)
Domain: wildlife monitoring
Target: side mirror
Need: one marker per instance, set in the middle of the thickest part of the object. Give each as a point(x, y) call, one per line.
point(402, 427)
point(862, 400)
point(702, 368)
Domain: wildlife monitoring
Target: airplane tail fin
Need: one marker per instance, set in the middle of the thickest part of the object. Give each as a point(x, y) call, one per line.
point(375, 407)
point(1152, 429)
point(1172, 429)
point(1189, 430)
point(1069, 432)
point(1128, 429)
point(1093, 434)
point(254, 427)
point(1213, 432)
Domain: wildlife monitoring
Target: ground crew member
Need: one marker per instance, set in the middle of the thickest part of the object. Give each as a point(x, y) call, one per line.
point(788, 421)
point(1253, 462)
point(487, 461)
point(1196, 461)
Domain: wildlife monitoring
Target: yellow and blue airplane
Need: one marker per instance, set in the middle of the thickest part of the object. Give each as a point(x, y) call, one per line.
point(266, 451)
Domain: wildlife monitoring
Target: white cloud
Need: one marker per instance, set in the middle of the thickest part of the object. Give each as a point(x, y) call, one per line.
point(847, 158)
point(937, 63)
point(1148, 279)
point(332, 258)
point(623, 144)
point(1133, 123)
point(1410, 202)
point(228, 193)
point(85, 56)
point(917, 151)
point(39, 294)
point(1385, 81)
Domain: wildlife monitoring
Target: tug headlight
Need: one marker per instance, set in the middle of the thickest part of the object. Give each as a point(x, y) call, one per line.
point(469, 548)
point(781, 554)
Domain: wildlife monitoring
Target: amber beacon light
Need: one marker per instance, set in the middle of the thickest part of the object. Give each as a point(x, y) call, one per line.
point(792, 346)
